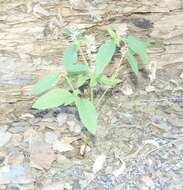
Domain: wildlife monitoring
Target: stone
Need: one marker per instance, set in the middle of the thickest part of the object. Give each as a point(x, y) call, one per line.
point(148, 181)
point(61, 118)
point(16, 140)
point(41, 154)
point(74, 127)
point(16, 174)
point(18, 127)
point(12, 188)
point(50, 137)
point(15, 158)
point(181, 75)
point(54, 186)
point(4, 138)
point(98, 164)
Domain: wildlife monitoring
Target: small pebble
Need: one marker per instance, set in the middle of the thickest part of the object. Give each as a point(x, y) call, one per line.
point(50, 137)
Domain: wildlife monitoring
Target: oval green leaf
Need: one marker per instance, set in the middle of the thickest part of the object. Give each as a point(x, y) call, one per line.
point(70, 55)
point(108, 81)
point(139, 47)
point(87, 113)
point(77, 68)
point(54, 98)
point(132, 61)
point(114, 36)
point(45, 83)
point(104, 56)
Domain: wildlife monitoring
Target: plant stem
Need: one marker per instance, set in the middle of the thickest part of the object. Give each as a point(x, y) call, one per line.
point(101, 98)
point(83, 56)
point(70, 84)
point(86, 62)
point(91, 93)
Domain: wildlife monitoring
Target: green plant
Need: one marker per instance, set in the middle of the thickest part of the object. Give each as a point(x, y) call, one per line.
point(88, 74)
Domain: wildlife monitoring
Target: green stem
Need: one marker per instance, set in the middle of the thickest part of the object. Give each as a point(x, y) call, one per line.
point(70, 84)
point(86, 62)
point(91, 93)
point(83, 56)
point(101, 98)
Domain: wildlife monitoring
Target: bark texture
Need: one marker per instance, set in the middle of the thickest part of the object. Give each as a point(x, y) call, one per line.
point(31, 31)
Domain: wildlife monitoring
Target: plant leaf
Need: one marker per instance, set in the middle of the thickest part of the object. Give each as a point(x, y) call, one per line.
point(136, 42)
point(93, 81)
point(114, 36)
point(144, 57)
point(77, 68)
point(108, 81)
point(139, 47)
point(82, 79)
point(132, 61)
point(70, 55)
point(112, 33)
point(87, 113)
point(44, 83)
point(54, 98)
point(104, 56)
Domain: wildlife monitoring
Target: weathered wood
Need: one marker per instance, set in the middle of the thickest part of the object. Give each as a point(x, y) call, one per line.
point(31, 32)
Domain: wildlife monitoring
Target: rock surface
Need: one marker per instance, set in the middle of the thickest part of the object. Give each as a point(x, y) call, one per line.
point(31, 36)
point(50, 149)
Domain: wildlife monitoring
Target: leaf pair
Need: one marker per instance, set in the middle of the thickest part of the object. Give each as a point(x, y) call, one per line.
point(58, 97)
point(114, 36)
point(70, 59)
point(108, 81)
point(136, 46)
point(104, 56)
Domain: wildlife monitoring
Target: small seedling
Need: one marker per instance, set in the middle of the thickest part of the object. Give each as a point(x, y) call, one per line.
point(89, 74)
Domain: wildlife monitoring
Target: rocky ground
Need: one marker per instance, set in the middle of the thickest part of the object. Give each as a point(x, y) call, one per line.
point(139, 141)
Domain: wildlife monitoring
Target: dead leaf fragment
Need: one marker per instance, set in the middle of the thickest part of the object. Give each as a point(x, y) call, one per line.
point(84, 149)
point(40, 10)
point(119, 171)
point(152, 142)
point(148, 181)
point(61, 146)
point(54, 186)
point(99, 162)
point(127, 89)
point(152, 68)
point(181, 76)
point(150, 88)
